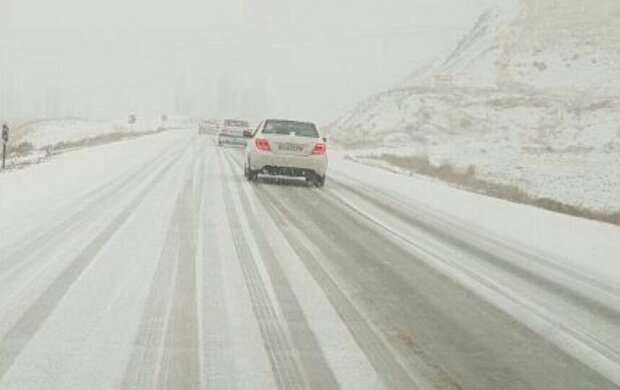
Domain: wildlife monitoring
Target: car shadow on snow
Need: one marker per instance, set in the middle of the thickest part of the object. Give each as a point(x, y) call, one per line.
point(286, 182)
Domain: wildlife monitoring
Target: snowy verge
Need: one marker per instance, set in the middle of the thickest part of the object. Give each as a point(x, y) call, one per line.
point(26, 195)
point(588, 246)
point(467, 178)
point(34, 142)
point(567, 268)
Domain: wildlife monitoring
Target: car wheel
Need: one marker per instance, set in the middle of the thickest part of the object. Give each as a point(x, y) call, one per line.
point(249, 174)
point(318, 181)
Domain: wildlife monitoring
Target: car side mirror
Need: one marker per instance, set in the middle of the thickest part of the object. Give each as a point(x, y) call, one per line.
point(247, 134)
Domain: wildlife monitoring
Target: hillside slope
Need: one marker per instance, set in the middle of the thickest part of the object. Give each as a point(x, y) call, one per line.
point(568, 46)
point(529, 98)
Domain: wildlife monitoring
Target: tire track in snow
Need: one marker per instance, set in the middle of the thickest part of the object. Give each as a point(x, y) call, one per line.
point(33, 271)
point(179, 366)
point(441, 319)
point(595, 298)
point(81, 211)
point(286, 371)
point(379, 355)
point(218, 365)
point(561, 280)
point(318, 371)
point(474, 343)
point(20, 334)
point(165, 353)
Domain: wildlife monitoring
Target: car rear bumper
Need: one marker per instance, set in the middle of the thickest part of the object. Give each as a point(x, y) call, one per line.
point(272, 164)
point(232, 139)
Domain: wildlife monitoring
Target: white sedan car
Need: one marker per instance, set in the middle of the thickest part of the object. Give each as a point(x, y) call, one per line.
point(231, 132)
point(286, 148)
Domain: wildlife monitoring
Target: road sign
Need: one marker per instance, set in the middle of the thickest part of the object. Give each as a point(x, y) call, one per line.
point(5, 139)
point(5, 133)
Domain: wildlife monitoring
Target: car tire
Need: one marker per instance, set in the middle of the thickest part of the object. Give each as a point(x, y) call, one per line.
point(318, 181)
point(249, 174)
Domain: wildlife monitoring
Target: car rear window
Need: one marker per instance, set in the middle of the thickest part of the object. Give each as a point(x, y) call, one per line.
point(232, 123)
point(301, 129)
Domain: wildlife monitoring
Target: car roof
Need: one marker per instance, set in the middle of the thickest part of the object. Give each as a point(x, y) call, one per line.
point(289, 120)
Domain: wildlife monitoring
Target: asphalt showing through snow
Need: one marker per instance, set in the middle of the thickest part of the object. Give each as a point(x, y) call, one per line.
point(182, 275)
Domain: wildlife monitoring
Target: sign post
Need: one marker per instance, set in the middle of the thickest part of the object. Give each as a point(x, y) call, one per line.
point(5, 139)
point(131, 120)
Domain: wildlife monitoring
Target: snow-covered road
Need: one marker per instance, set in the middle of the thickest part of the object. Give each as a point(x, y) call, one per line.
point(152, 263)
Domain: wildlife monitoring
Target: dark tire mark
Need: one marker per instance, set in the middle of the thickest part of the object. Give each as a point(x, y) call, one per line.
point(420, 310)
point(180, 361)
point(561, 281)
point(381, 358)
point(281, 355)
point(165, 353)
point(471, 341)
point(318, 371)
point(81, 212)
point(13, 343)
point(218, 352)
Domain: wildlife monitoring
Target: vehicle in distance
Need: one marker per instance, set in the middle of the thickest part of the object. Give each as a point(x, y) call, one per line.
point(231, 132)
point(209, 126)
point(286, 148)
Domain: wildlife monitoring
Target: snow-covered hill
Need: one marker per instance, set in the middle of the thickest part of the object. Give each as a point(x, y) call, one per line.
point(529, 98)
point(571, 46)
point(568, 46)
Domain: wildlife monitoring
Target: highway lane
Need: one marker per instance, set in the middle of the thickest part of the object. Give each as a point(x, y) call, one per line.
point(179, 274)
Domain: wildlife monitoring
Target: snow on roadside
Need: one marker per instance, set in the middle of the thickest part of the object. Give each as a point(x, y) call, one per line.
point(589, 246)
point(35, 141)
point(49, 132)
point(26, 195)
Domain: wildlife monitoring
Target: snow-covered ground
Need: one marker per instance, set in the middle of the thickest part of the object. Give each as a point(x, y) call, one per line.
point(509, 108)
point(152, 262)
point(49, 132)
point(559, 148)
point(577, 254)
point(553, 45)
point(524, 226)
point(33, 141)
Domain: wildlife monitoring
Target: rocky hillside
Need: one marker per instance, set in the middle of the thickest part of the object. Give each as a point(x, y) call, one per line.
point(530, 97)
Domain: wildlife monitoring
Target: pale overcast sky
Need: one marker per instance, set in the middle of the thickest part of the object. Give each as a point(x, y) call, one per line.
point(242, 58)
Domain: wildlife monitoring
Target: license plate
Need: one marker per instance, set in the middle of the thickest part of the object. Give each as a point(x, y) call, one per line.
point(290, 147)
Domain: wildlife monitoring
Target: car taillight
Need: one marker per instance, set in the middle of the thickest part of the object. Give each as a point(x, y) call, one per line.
point(319, 148)
point(262, 144)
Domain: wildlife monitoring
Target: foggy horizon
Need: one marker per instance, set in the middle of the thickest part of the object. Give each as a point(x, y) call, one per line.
point(106, 59)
